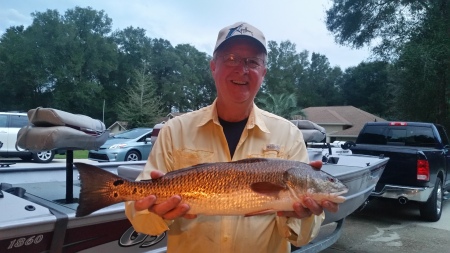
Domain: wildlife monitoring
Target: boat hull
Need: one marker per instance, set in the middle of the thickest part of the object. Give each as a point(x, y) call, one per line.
point(360, 174)
point(36, 218)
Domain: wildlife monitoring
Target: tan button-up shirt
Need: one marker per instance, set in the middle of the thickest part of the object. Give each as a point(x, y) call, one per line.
point(197, 137)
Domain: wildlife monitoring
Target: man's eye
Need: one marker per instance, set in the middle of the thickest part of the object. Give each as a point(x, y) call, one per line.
point(253, 62)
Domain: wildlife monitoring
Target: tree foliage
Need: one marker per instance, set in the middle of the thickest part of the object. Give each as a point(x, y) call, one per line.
point(284, 105)
point(142, 106)
point(367, 87)
point(75, 62)
point(415, 37)
point(390, 23)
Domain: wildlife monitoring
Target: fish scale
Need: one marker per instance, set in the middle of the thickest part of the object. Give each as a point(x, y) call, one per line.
point(245, 187)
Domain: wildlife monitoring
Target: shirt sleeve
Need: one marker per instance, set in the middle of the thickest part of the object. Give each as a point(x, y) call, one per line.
point(299, 231)
point(160, 159)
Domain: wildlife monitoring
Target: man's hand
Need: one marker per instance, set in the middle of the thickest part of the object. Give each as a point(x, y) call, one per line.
point(308, 206)
point(170, 209)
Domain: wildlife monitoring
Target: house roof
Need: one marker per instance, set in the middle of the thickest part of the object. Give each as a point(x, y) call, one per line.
point(170, 116)
point(123, 124)
point(350, 118)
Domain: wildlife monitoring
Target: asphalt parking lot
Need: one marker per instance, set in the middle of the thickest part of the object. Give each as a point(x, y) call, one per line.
point(385, 226)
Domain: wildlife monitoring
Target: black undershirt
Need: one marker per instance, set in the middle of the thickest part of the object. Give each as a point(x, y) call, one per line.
point(233, 132)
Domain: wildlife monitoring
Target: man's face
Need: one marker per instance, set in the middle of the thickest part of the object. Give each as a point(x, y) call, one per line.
point(238, 83)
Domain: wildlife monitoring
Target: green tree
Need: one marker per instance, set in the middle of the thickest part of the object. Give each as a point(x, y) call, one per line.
point(86, 56)
point(142, 107)
point(59, 61)
point(195, 83)
point(285, 68)
point(284, 105)
point(319, 83)
point(415, 37)
point(366, 86)
point(387, 23)
point(21, 84)
point(134, 48)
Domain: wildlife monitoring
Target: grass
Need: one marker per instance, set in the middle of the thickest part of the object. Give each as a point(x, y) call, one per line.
point(77, 154)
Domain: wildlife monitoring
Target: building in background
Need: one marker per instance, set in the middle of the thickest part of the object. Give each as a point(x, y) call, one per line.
point(342, 123)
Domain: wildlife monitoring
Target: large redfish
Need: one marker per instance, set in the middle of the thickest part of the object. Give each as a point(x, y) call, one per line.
point(246, 187)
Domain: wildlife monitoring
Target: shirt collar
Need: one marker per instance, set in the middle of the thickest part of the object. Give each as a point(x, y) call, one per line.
point(255, 118)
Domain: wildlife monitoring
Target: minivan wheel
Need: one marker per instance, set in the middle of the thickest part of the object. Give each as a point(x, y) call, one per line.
point(44, 156)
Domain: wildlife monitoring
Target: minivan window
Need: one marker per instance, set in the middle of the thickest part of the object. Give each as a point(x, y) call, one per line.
point(3, 120)
point(18, 121)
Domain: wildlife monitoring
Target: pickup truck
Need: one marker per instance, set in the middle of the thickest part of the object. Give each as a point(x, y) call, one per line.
point(419, 159)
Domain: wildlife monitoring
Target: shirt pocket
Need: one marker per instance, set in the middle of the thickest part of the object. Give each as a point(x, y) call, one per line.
point(271, 151)
point(188, 157)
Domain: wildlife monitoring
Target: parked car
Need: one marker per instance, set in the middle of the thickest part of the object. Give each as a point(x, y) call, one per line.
point(131, 145)
point(10, 124)
point(418, 168)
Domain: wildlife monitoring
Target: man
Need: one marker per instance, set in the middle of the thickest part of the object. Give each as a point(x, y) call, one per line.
point(230, 129)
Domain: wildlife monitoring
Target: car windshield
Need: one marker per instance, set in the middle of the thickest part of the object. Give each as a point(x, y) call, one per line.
point(131, 134)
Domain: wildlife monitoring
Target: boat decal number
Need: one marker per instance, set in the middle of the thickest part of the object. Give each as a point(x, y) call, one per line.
point(131, 238)
point(20, 242)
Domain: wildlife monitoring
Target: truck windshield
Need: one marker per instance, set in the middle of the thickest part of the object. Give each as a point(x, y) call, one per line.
point(401, 136)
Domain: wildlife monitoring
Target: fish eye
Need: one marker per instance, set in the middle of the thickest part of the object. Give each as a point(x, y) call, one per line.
point(331, 179)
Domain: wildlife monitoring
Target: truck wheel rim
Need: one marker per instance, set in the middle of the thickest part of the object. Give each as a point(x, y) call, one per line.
point(439, 199)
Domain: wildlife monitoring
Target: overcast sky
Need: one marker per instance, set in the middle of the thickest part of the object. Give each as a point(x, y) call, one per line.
point(197, 22)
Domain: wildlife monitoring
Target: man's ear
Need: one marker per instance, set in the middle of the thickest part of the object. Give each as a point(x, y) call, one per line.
point(212, 66)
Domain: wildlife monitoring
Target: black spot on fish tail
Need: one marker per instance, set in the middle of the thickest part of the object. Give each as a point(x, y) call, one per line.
point(118, 182)
point(98, 189)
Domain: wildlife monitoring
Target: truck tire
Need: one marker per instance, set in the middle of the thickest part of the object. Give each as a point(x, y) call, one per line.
point(432, 209)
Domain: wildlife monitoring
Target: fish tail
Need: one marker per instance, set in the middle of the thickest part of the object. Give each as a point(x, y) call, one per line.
point(95, 192)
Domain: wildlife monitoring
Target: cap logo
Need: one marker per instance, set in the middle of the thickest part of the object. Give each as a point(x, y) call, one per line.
point(238, 29)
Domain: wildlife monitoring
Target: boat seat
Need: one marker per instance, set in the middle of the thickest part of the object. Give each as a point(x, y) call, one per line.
point(54, 129)
point(310, 130)
point(131, 171)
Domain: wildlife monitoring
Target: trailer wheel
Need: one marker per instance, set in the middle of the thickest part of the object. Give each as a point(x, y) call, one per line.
point(432, 209)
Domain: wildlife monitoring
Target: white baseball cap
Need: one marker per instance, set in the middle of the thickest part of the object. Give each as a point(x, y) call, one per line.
point(240, 29)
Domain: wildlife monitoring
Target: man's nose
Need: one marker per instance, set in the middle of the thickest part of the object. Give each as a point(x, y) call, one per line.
point(243, 65)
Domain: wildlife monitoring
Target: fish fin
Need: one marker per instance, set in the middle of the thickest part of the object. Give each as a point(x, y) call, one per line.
point(251, 160)
point(261, 212)
point(95, 189)
point(267, 188)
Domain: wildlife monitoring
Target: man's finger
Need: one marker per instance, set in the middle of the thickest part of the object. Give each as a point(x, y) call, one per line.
point(144, 203)
point(154, 174)
point(179, 211)
point(166, 206)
